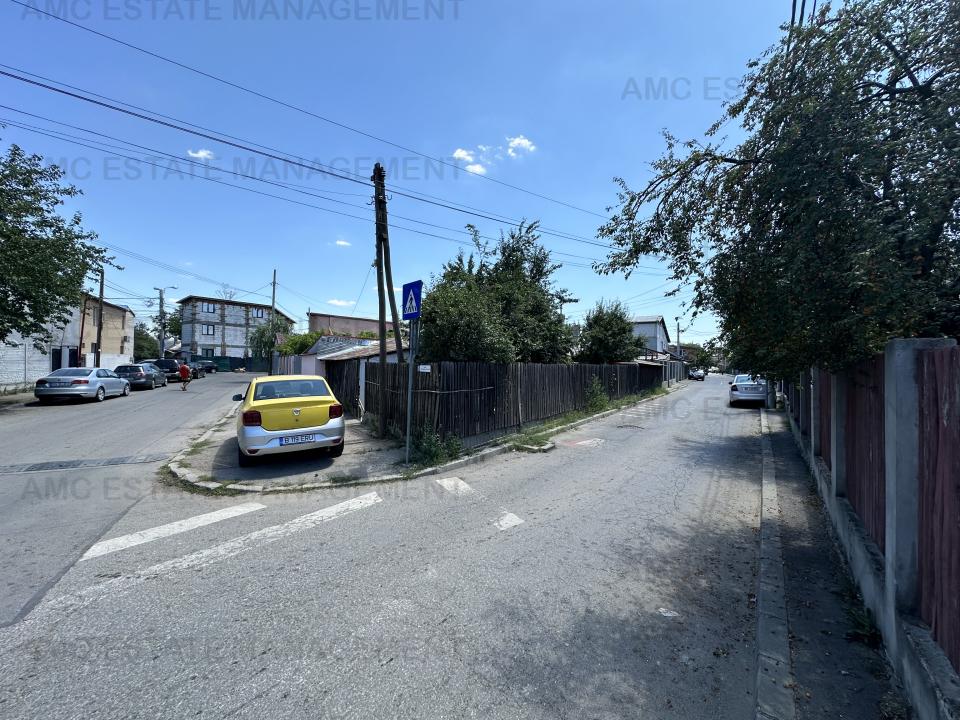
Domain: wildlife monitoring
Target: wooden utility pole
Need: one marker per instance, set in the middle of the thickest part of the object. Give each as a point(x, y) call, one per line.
point(273, 296)
point(96, 357)
point(383, 241)
point(382, 367)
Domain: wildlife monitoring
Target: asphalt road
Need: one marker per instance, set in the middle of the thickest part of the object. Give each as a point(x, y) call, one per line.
point(69, 472)
point(610, 578)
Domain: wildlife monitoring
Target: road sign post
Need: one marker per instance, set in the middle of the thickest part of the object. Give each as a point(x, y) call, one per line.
point(412, 296)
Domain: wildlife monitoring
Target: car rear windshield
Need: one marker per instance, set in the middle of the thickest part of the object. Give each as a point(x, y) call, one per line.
point(278, 389)
point(128, 368)
point(167, 363)
point(71, 372)
point(743, 379)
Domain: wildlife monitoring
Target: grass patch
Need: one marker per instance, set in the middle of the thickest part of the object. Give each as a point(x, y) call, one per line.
point(196, 448)
point(168, 478)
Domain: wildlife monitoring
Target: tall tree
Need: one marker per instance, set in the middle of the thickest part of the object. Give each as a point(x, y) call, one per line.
point(607, 335)
point(144, 342)
point(46, 258)
point(263, 339)
point(499, 304)
point(835, 224)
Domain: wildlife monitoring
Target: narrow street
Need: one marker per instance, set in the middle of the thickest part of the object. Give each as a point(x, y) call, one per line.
point(612, 577)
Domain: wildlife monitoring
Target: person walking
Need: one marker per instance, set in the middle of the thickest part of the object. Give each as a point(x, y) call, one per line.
point(184, 375)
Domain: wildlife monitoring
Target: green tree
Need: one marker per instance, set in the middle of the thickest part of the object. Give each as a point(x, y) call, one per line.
point(263, 339)
point(144, 343)
point(300, 343)
point(607, 335)
point(835, 225)
point(173, 323)
point(499, 304)
point(46, 258)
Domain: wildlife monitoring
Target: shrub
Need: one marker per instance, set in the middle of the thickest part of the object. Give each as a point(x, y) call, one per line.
point(597, 399)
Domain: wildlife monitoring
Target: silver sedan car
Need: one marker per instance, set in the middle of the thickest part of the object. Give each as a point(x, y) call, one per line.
point(748, 388)
point(88, 383)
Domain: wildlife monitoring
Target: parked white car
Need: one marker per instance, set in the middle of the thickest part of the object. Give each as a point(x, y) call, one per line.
point(748, 388)
point(87, 383)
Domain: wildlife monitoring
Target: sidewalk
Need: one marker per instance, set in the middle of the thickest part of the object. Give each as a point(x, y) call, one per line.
point(214, 460)
point(837, 665)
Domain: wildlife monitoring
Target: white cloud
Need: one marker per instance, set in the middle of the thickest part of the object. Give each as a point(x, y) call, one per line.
point(201, 154)
point(465, 155)
point(342, 243)
point(519, 144)
point(476, 168)
point(340, 303)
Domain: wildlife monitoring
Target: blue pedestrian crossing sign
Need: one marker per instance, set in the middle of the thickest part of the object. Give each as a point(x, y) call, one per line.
point(412, 295)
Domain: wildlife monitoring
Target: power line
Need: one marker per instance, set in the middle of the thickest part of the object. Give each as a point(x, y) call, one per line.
point(299, 109)
point(267, 151)
point(57, 136)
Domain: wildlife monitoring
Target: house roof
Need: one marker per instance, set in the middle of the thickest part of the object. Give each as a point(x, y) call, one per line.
point(96, 299)
point(646, 319)
point(345, 317)
point(340, 348)
point(207, 298)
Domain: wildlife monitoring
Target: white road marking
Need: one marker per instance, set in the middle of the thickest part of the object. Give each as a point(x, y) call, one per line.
point(456, 486)
point(111, 588)
point(123, 542)
point(507, 520)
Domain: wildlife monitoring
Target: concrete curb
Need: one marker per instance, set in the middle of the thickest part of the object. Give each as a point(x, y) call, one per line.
point(775, 699)
point(187, 475)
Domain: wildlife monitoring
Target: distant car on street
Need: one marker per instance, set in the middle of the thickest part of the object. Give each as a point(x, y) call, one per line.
point(169, 366)
point(696, 375)
point(142, 375)
point(209, 365)
point(748, 388)
point(197, 370)
point(89, 383)
point(286, 414)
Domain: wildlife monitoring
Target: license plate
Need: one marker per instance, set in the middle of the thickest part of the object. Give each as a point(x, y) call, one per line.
point(297, 439)
point(60, 384)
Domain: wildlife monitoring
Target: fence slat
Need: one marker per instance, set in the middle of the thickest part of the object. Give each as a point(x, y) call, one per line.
point(864, 441)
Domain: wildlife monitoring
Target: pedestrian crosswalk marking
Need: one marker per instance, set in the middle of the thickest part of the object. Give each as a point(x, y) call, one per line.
point(105, 547)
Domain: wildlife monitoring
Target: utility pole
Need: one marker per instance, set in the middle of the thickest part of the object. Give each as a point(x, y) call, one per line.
point(382, 320)
point(383, 242)
point(96, 360)
point(163, 319)
point(273, 296)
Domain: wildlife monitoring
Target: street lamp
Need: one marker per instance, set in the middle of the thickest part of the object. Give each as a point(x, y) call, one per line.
point(163, 327)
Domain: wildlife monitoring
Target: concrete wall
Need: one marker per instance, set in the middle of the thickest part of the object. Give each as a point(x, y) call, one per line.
point(221, 326)
point(655, 338)
point(117, 334)
point(888, 582)
point(21, 364)
point(343, 325)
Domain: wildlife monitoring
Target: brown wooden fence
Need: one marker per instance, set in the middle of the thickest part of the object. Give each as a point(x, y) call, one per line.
point(938, 546)
point(479, 400)
point(864, 444)
point(824, 420)
point(344, 379)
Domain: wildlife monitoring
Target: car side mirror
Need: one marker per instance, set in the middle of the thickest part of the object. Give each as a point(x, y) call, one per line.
point(729, 382)
point(238, 398)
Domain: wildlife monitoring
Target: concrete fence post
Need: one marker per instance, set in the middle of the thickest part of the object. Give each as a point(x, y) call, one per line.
point(902, 464)
point(838, 439)
point(817, 376)
point(805, 409)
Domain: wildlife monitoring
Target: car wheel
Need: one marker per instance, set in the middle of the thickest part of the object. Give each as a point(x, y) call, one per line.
point(125, 391)
point(101, 394)
point(243, 460)
point(164, 382)
point(336, 452)
point(153, 383)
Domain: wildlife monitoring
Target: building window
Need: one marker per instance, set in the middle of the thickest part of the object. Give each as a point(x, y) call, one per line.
point(258, 312)
point(208, 352)
point(209, 307)
point(208, 329)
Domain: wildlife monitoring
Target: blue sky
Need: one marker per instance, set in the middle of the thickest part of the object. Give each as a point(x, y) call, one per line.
point(554, 97)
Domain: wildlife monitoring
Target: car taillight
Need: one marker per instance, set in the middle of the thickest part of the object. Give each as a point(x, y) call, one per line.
point(733, 387)
point(41, 382)
point(80, 382)
point(251, 418)
point(336, 410)
point(139, 374)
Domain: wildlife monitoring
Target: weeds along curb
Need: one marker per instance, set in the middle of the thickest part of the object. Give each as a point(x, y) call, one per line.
point(186, 475)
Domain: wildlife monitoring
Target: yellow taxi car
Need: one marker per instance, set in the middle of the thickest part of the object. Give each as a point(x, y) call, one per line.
point(288, 413)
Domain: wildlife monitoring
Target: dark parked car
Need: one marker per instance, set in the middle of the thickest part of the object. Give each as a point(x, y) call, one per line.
point(142, 375)
point(209, 365)
point(169, 367)
point(196, 370)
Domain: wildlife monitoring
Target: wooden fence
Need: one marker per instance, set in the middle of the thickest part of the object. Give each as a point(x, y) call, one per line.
point(864, 446)
point(475, 401)
point(938, 542)
point(344, 379)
